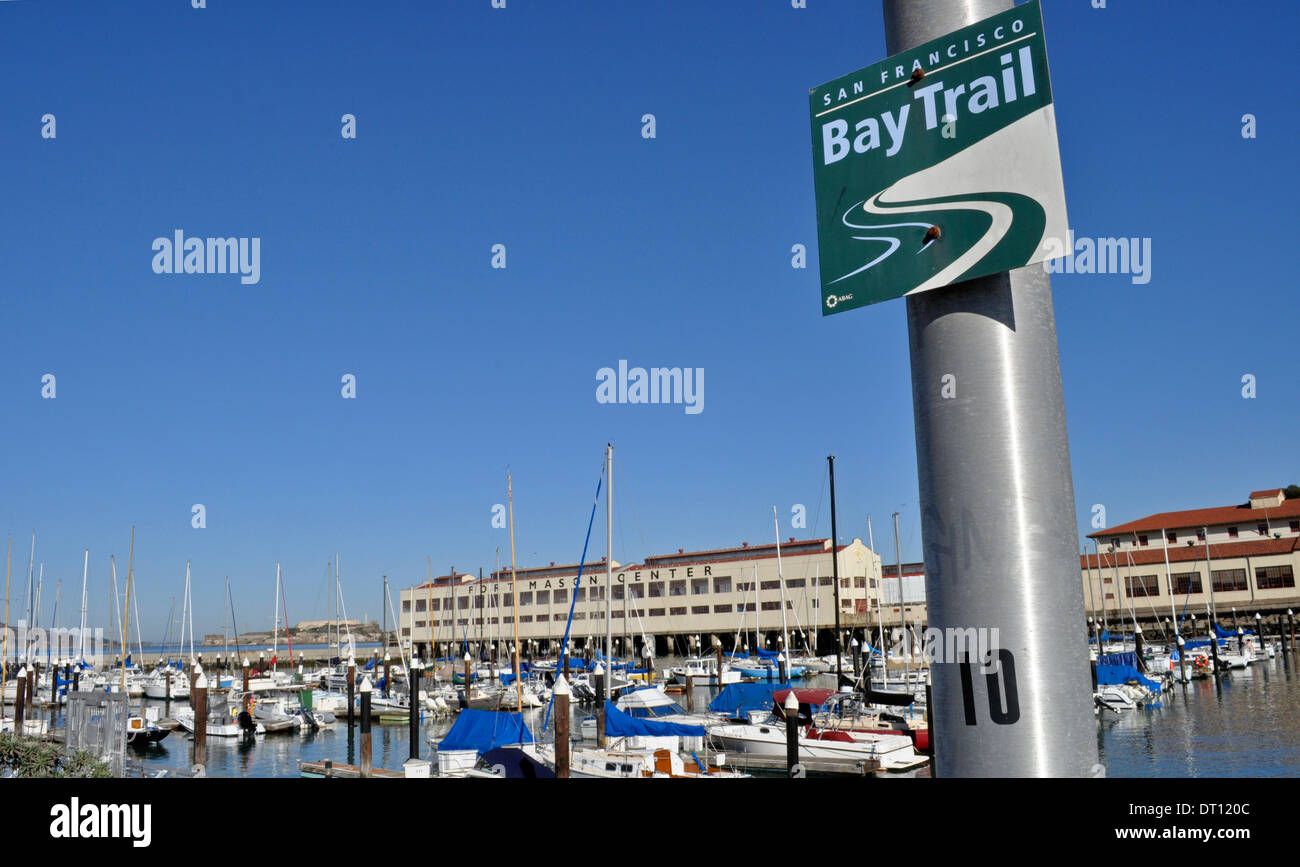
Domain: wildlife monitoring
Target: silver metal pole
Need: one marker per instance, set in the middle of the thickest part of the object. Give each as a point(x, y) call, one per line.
point(997, 500)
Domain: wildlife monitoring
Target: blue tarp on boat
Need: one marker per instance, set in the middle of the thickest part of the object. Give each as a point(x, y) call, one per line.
point(1127, 658)
point(1116, 674)
point(482, 730)
point(738, 699)
point(622, 725)
point(768, 654)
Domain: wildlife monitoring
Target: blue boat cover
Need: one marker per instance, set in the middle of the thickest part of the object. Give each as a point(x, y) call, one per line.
point(1116, 674)
point(623, 725)
point(482, 730)
point(1127, 658)
point(738, 699)
point(768, 654)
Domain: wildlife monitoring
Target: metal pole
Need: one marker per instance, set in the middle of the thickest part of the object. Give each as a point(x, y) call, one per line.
point(600, 705)
point(365, 728)
point(902, 607)
point(835, 577)
point(414, 721)
point(997, 498)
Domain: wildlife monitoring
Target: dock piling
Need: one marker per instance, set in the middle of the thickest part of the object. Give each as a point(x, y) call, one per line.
point(561, 694)
point(791, 734)
point(365, 728)
point(20, 701)
point(352, 692)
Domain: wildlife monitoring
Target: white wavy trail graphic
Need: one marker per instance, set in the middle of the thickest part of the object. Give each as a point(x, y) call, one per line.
point(894, 243)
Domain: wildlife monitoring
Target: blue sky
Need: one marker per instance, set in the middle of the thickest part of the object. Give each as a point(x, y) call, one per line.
point(522, 127)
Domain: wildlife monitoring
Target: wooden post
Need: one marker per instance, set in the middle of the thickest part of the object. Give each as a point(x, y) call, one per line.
point(76, 679)
point(690, 693)
point(31, 684)
point(856, 650)
point(20, 701)
point(200, 701)
point(600, 705)
point(193, 670)
point(929, 719)
point(365, 728)
point(468, 672)
point(1137, 649)
point(1290, 619)
point(791, 734)
point(782, 667)
point(167, 678)
point(717, 646)
point(245, 667)
point(1214, 650)
point(414, 723)
point(388, 677)
point(561, 694)
point(1182, 661)
point(352, 691)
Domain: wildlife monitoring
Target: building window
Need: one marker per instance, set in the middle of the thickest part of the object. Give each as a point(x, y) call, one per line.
point(699, 586)
point(1142, 585)
point(796, 582)
point(510, 621)
point(656, 612)
point(526, 598)
point(699, 609)
point(435, 605)
point(636, 591)
point(1108, 596)
point(1295, 526)
point(419, 605)
point(1184, 583)
point(1142, 541)
point(721, 585)
point(579, 615)
point(677, 612)
point(507, 601)
point(656, 589)
point(419, 624)
point(1274, 577)
point(406, 606)
point(769, 585)
point(1262, 529)
point(1200, 535)
point(1232, 532)
point(676, 588)
point(744, 586)
point(617, 593)
point(844, 584)
point(722, 609)
point(405, 631)
point(745, 607)
point(581, 594)
point(826, 580)
point(772, 606)
point(462, 603)
point(1227, 580)
point(1171, 537)
point(816, 603)
point(860, 582)
point(543, 597)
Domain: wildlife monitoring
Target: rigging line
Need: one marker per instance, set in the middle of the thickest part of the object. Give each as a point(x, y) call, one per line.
point(573, 598)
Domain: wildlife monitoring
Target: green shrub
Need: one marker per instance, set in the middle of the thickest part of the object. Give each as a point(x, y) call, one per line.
point(29, 757)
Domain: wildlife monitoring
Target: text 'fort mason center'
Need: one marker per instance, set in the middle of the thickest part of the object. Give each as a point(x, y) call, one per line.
point(688, 592)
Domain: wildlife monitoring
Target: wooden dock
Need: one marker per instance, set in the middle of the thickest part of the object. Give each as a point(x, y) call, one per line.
point(320, 770)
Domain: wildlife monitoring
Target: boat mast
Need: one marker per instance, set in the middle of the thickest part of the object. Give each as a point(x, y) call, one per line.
point(31, 560)
point(514, 599)
point(130, 563)
point(1209, 573)
point(383, 630)
point(225, 624)
point(117, 612)
point(609, 558)
point(189, 603)
point(785, 637)
point(433, 653)
point(880, 614)
point(835, 578)
point(1169, 579)
point(4, 662)
point(902, 607)
point(275, 613)
point(81, 633)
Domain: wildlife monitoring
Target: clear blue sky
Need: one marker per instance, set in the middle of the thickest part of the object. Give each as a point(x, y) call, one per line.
point(523, 127)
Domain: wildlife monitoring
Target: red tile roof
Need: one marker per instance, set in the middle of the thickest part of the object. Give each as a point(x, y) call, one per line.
point(1184, 553)
point(1197, 518)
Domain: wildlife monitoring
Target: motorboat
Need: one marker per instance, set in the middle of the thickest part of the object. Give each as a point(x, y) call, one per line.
point(141, 731)
point(703, 671)
point(224, 720)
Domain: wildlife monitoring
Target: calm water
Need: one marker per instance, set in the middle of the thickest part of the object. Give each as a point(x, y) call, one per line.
point(1244, 726)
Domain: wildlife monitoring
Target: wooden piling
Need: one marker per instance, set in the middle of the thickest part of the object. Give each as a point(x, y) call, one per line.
point(365, 728)
point(200, 701)
point(414, 672)
point(388, 676)
point(561, 694)
point(31, 684)
point(1214, 650)
point(352, 691)
point(600, 705)
point(20, 701)
point(690, 693)
point(791, 708)
point(245, 667)
point(717, 646)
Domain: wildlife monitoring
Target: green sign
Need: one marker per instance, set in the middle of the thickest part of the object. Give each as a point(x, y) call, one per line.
point(938, 165)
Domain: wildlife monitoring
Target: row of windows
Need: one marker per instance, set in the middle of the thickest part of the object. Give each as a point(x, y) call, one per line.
point(1262, 528)
point(1225, 581)
point(697, 587)
point(723, 608)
